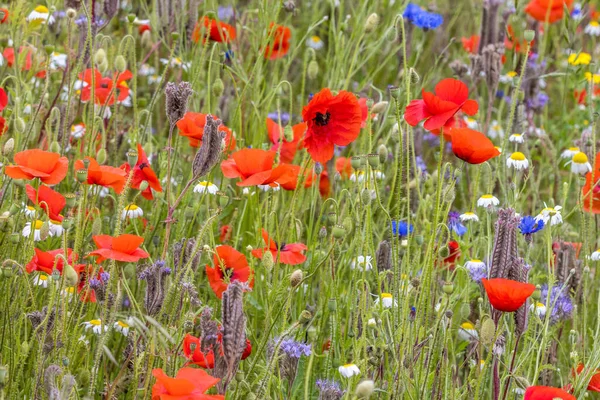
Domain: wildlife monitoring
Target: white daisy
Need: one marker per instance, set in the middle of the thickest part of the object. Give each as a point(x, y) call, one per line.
point(266, 188)
point(58, 60)
point(468, 216)
point(176, 62)
point(78, 130)
point(132, 211)
point(29, 211)
point(40, 15)
point(206, 187)
point(387, 300)
point(508, 77)
point(349, 370)
point(95, 325)
point(146, 70)
point(592, 29)
point(595, 255)
point(471, 123)
point(516, 138)
point(361, 262)
point(467, 332)
point(517, 160)
point(550, 214)
point(580, 164)
point(36, 226)
point(41, 280)
point(315, 42)
point(488, 200)
point(495, 130)
point(56, 228)
point(100, 191)
point(154, 79)
point(538, 308)
point(122, 327)
point(569, 153)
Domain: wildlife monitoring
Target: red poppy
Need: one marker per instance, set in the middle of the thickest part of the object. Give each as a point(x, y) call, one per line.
point(553, 10)
point(3, 99)
point(188, 384)
point(124, 247)
point(50, 167)
point(331, 120)
point(218, 31)
point(547, 393)
point(103, 175)
point(46, 261)
point(106, 90)
point(229, 265)
point(207, 359)
point(279, 43)
point(324, 184)
point(507, 295)
point(289, 253)
point(364, 111)
point(288, 149)
point(254, 167)
point(225, 233)
point(594, 383)
point(143, 172)
point(343, 165)
point(3, 126)
point(143, 28)
point(9, 56)
point(289, 180)
point(591, 190)
point(84, 271)
point(472, 146)
point(453, 254)
point(471, 44)
point(580, 96)
point(438, 110)
point(4, 12)
point(49, 200)
point(192, 127)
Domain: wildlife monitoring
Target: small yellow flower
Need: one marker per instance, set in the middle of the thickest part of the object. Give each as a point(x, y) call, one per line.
point(595, 77)
point(580, 59)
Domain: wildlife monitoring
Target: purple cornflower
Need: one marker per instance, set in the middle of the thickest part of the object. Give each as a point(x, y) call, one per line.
point(329, 389)
point(284, 116)
point(295, 349)
point(455, 224)
point(560, 301)
point(476, 269)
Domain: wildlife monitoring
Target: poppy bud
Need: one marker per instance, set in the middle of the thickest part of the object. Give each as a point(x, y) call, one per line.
point(488, 331)
point(132, 157)
point(318, 168)
point(103, 66)
point(379, 107)
point(322, 232)
point(101, 156)
point(144, 185)
point(444, 252)
point(448, 288)
point(373, 160)
point(223, 199)
point(25, 347)
point(49, 49)
point(20, 125)
point(142, 102)
point(332, 305)
point(97, 226)
point(100, 57)
point(289, 6)
point(15, 238)
point(529, 35)
point(365, 389)
point(147, 39)
point(465, 311)
point(13, 209)
point(218, 88)
point(365, 196)
point(338, 231)
point(267, 260)
point(536, 294)
point(120, 64)
point(71, 277)
point(296, 278)
point(414, 77)
point(313, 69)
point(372, 22)
point(382, 152)
point(82, 175)
point(347, 223)
point(83, 377)
point(9, 146)
point(370, 103)
point(45, 230)
point(54, 147)
point(131, 18)
point(288, 133)
point(357, 162)
point(305, 317)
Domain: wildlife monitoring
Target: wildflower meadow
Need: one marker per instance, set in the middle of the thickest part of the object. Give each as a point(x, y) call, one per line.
point(300, 199)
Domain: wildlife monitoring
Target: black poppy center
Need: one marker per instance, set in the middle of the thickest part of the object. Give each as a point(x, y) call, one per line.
point(104, 85)
point(322, 119)
point(143, 165)
point(280, 246)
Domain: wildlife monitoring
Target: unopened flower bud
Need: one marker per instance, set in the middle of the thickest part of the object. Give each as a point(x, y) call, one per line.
point(365, 389)
point(218, 88)
point(414, 76)
point(100, 57)
point(382, 152)
point(143, 186)
point(120, 64)
point(101, 156)
point(488, 331)
point(45, 231)
point(365, 196)
point(379, 107)
point(8, 148)
point(54, 147)
point(20, 125)
point(296, 278)
point(71, 277)
point(288, 133)
point(97, 226)
point(313, 69)
point(372, 22)
point(322, 232)
point(267, 260)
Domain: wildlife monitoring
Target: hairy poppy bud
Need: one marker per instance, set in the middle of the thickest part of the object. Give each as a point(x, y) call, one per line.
point(15, 238)
point(488, 331)
point(82, 175)
point(382, 152)
point(20, 125)
point(379, 107)
point(267, 260)
point(365, 389)
point(223, 199)
point(13, 209)
point(414, 76)
point(71, 277)
point(54, 147)
point(288, 133)
point(365, 196)
point(102, 67)
point(372, 22)
point(97, 226)
point(9, 146)
point(100, 57)
point(45, 231)
point(218, 88)
point(101, 156)
point(143, 186)
point(348, 224)
point(120, 63)
point(313, 69)
point(296, 278)
point(147, 39)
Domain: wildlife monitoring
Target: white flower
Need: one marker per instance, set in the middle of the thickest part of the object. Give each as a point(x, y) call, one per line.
point(36, 225)
point(78, 130)
point(387, 300)
point(361, 262)
point(266, 188)
point(126, 102)
point(56, 228)
point(595, 255)
point(122, 327)
point(132, 211)
point(471, 123)
point(467, 332)
point(82, 339)
point(508, 77)
point(40, 15)
point(468, 216)
point(315, 42)
point(487, 200)
point(569, 153)
point(550, 214)
point(95, 325)
point(153, 79)
point(592, 29)
point(41, 280)
point(495, 130)
point(517, 160)
point(247, 192)
point(580, 164)
point(29, 211)
point(107, 112)
point(516, 138)
point(360, 176)
point(372, 322)
point(1, 60)
point(146, 70)
point(58, 60)
point(538, 308)
point(27, 109)
point(101, 191)
point(206, 187)
point(176, 62)
point(349, 370)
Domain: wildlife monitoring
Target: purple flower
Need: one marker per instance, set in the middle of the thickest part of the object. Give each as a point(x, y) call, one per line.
point(455, 224)
point(104, 276)
point(476, 269)
point(329, 389)
point(225, 13)
point(284, 116)
point(295, 349)
point(560, 301)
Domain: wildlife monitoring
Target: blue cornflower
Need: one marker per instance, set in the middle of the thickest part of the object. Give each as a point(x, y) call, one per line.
point(530, 225)
point(412, 10)
point(284, 116)
point(295, 349)
point(402, 228)
point(422, 18)
point(455, 224)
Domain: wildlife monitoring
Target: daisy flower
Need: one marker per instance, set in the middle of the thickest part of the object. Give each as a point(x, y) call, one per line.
point(468, 216)
point(78, 130)
point(387, 300)
point(471, 123)
point(146, 70)
point(95, 325)
point(467, 332)
point(569, 153)
point(36, 226)
point(592, 29)
point(551, 215)
point(361, 262)
point(516, 138)
point(580, 164)
point(595, 255)
point(508, 77)
point(58, 60)
point(315, 42)
point(176, 62)
point(517, 160)
point(488, 200)
point(122, 327)
point(40, 15)
point(538, 308)
point(206, 187)
point(29, 211)
point(132, 211)
point(41, 280)
point(349, 370)
point(495, 130)
point(56, 228)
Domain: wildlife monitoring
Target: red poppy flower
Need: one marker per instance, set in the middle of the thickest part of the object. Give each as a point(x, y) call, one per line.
point(364, 111)
point(472, 146)
point(343, 165)
point(289, 180)
point(471, 44)
point(331, 120)
point(225, 233)
point(4, 12)
point(3, 126)
point(9, 56)
point(3, 99)
point(229, 265)
point(192, 127)
point(438, 110)
point(143, 28)
point(594, 383)
point(124, 247)
point(207, 359)
point(591, 190)
point(580, 96)
point(288, 149)
point(50, 167)
point(453, 254)
point(324, 184)
point(45, 261)
point(218, 31)
point(547, 393)
point(289, 253)
point(254, 167)
point(507, 295)
point(106, 90)
point(85, 271)
point(49, 200)
point(103, 175)
point(188, 384)
point(279, 41)
point(142, 172)
point(512, 42)
point(551, 9)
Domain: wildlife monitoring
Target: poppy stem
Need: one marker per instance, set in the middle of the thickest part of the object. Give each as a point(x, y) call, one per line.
point(510, 370)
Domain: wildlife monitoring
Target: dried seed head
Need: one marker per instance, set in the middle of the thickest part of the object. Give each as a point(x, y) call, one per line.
point(210, 151)
point(296, 278)
point(177, 95)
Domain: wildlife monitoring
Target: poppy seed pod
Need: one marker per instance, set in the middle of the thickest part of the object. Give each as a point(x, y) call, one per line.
point(448, 288)
point(529, 35)
point(313, 69)
point(82, 175)
point(49, 49)
point(120, 64)
point(175, 36)
point(373, 160)
point(218, 87)
point(371, 23)
point(357, 162)
point(9, 146)
point(131, 18)
point(338, 231)
point(305, 317)
point(132, 157)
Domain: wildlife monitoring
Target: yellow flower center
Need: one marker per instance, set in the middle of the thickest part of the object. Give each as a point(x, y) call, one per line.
point(487, 196)
point(538, 304)
point(516, 135)
point(95, 322)
point(511, 74)
point(205, 183)
point(131, 207)
point(573, 148)
point(122, 324)
point(476, 261)
point(467, 325)
point(549, 210)
point(38, 224)
point(30, 208)
point(41, 9)
point(517, 156)
point(386, 295)
point(70, 290)
point(315, 39)
point(595, 24)
point(348, 365)
point(43, 277)
point(580, 158)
